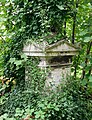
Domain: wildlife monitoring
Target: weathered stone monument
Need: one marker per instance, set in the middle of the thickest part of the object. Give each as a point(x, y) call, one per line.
point(56, 57)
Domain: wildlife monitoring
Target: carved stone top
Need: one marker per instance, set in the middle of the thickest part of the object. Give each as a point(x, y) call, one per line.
point(60, 48)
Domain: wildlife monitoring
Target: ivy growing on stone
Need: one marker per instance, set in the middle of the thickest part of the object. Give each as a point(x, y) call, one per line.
point(32, 21)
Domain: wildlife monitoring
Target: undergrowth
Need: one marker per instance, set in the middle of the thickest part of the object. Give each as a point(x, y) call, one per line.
point(71, 102)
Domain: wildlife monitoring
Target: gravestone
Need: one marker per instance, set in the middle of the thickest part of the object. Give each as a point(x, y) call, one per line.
point(57, 58)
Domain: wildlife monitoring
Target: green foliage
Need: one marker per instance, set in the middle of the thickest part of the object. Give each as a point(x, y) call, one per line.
point(71, 102)
point(36, 76)
point(24, 21)
point(34, 20)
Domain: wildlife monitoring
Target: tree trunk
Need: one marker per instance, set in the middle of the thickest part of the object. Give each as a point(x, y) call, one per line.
point(86, 60)
point(73, 31)
point(74, 22)
point(65, 29)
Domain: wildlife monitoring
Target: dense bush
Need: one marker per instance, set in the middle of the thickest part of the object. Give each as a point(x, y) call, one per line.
point(72, 102)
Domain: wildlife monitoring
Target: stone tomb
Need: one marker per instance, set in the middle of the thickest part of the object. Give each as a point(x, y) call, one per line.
point(57, 58)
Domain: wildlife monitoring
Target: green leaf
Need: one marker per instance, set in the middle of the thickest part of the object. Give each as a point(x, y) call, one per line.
point(56, 108)
point(41, 105)
point(84, 82)
point(83, 33)
point(18, 110)
point(87, 39)
point(12, 60)
point(29, 111)
point(90, 79)
point(48, 106)
point(18, 62)
point(90, 84)
point(4, 116)
point(60, 7)
point(42, 117)
point(3, 1)
point(23, 56)
point(37, 116)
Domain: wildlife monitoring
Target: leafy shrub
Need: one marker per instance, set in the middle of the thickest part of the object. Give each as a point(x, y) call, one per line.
point(70, 103)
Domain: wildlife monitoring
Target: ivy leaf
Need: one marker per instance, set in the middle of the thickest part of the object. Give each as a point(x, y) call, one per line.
point(4, 116)
point(83, 64)
point(56, 108)
point(18, 62)
point(3, 1)
point(83, 33)
point(29, 111)
point(90, 84)
point(42, 117)
point(60, 7)
point(12, 60)
point(18, 110)
point(84, 82)
point(87, 39)
point(23, 56)
point(37, 116)
point(90, 79)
